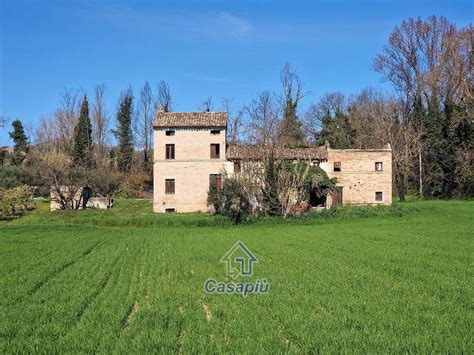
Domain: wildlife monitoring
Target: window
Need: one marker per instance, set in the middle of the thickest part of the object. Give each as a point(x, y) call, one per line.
point(170, 132)
point(215, 151)
point(215, 131)
point(378, 166)
point(170, 151)
point(315, 162)
point(337, 166)
point(379, 196)
point(169, 186)
point(236, 166)
point(215, 180)
point(170, 210)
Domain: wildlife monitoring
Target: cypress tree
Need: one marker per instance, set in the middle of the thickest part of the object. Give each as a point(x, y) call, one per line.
point(123, 133)
point(20, 142)
point(82, 150)
point(270, 189)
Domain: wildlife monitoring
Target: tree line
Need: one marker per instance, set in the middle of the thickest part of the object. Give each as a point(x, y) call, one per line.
point(426, 118)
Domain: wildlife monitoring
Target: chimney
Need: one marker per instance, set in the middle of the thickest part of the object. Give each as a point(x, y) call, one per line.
point(161, 109)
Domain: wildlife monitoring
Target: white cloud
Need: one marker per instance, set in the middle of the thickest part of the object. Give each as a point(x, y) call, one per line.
point(210, 24)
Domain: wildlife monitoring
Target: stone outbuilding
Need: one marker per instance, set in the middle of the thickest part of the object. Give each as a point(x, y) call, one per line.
point(83, 198)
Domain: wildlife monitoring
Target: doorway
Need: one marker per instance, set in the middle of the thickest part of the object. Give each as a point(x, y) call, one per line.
point(337, 196)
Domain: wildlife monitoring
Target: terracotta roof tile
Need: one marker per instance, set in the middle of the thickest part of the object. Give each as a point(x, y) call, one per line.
point(240, 152)
point(190, 119)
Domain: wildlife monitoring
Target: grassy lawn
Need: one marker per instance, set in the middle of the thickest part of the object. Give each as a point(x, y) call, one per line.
point(357, 280)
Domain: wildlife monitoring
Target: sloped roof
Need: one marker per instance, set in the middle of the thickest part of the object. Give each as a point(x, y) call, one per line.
point(251, 152)
point(190, 119)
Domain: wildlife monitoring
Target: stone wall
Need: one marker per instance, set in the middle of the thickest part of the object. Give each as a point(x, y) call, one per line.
point(190, 169)
point(193, 165)
point(358, 178)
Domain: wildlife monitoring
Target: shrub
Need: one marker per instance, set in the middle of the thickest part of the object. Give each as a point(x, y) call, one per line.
point(131, 184)
point(231, 201)
point(13, 176)
point(15, 201)
point(296, 182)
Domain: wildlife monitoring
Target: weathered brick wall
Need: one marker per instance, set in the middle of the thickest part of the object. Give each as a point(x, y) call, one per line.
point(190, 168)
point(358, 178)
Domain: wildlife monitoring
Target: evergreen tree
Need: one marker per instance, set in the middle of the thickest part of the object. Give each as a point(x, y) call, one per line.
point(336, 130)
point(82, 151)
point(20, 142)
point(418, 110)
point(434, 138)
point(123, 133)
point(290, 132)
point(271, 204)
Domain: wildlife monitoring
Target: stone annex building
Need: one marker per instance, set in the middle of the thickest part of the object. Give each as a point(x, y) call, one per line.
point(190, 153)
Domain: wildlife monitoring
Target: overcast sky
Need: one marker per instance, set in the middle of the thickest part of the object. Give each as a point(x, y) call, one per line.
point(223, 49)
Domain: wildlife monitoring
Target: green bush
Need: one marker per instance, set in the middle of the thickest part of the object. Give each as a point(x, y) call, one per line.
point(231, 201)
point(12, 176)
point(316, 180)
point(15, 201)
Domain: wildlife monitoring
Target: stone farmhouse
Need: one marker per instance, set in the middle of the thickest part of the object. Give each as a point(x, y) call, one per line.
point(191, 152)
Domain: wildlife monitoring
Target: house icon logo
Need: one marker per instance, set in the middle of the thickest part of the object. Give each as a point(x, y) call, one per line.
point(239, 261)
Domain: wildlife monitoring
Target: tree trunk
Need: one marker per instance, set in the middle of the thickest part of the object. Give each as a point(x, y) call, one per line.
point(400, 182)
point(421, 172)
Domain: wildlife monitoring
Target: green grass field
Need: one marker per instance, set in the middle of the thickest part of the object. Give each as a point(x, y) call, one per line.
point(356, 280)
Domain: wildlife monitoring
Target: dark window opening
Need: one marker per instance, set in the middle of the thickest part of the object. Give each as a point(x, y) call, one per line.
point(315, 200)
point(215, 151)
point(315, 162)
point(170, 132)
point(169, 186)
point(215, 131)
point(379, 196)
point(215, 180)
point(170, 151)
point(337, 166)
point(170, 210)
point(378, 166)
point(236, 166)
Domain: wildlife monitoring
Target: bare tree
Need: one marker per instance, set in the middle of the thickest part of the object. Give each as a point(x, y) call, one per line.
point(234, 121)
point(388, 121)
point(290, 132)
point(100, 120)
point(56, 133)
point(164, 99)
point(428, 63)
point(66, 180)
point(263, 119)
point(65, 119)
point(328, 104)
point(464, 60)
point(207, 105)
point(144, 122)
point(4, 120)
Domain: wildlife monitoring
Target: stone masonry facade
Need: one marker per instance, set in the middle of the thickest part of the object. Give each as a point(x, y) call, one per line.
point(365, 175)
point(190, 149)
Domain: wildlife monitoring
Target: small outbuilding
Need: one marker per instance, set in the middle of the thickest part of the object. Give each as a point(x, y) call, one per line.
point(83, 198)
